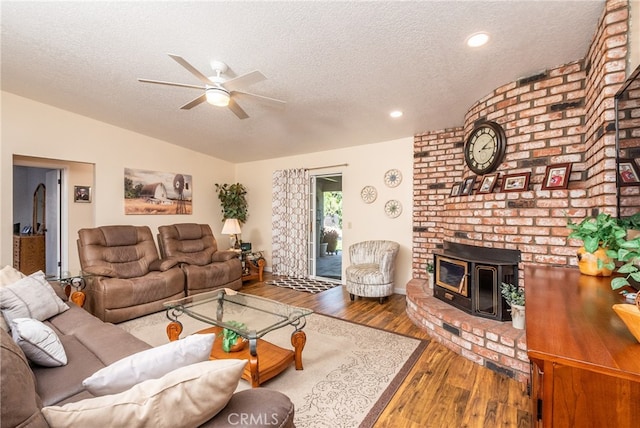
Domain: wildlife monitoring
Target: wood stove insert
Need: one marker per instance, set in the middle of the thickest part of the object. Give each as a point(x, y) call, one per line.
point(469, 277)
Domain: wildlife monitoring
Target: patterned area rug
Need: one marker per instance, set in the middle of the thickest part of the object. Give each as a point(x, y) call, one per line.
point(308, 285)
point(350, 371)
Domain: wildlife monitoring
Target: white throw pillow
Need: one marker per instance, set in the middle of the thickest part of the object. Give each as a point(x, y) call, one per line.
point(149, 364)
point(8, 275)
point(30, 297)
point(39, 342)
point(185, 397)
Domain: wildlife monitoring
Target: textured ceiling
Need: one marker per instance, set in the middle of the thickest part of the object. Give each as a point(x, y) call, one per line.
point(341, 66)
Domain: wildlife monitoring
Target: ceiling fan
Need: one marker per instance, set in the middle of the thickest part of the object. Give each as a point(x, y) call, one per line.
point(217, 90)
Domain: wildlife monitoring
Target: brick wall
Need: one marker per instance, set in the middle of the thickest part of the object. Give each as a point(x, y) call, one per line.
point(564, 114)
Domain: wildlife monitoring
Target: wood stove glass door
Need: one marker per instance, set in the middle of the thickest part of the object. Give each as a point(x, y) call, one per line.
point(487, 291)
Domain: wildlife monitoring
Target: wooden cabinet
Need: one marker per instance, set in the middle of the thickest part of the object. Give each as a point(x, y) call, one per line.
point(29, 253)
point(585, 365)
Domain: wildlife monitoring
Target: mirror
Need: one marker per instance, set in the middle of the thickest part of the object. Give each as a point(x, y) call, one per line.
point(627, 109)
point(38, 210)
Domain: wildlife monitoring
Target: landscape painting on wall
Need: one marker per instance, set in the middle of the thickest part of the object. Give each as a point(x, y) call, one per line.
point(152, 192)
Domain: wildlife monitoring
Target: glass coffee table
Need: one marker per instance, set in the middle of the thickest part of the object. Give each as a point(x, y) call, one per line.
point(251, 318)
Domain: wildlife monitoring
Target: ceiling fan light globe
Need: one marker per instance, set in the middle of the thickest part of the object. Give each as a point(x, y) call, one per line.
point(217, 97)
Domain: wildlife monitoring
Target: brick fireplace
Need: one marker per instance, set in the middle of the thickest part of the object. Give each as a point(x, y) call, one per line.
point(563, 114)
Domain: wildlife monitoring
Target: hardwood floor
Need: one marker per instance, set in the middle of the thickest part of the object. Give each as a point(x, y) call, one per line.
point(443, 389)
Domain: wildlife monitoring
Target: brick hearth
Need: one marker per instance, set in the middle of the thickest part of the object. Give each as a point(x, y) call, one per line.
point(493, 344)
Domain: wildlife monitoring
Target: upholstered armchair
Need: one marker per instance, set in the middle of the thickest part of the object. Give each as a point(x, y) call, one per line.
point(372, 269)
point(195, 248)
point(125, 277)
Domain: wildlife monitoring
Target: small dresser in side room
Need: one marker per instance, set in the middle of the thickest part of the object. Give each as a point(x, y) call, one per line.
point(29, 253)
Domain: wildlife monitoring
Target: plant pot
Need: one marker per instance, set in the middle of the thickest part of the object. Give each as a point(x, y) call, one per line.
point(430, 279)
point(238, 346)
point(630, 315)
point(517, 316)
point(588, 262)
point(323, 249)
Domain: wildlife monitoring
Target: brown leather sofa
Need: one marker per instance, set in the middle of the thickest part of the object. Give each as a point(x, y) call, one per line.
point(126, 278)
point(91, 344)
point(195, 248)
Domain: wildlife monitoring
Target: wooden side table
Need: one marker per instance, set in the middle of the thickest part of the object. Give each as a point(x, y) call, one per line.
point(252, 265)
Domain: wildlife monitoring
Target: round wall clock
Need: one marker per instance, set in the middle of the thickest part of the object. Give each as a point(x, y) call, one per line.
point(392, 208)
point(392, 178)
point(485, 148)
point(368, 194)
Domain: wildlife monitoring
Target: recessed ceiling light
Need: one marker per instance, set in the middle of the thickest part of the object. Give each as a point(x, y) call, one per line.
point(395, 113)
point(477, 39)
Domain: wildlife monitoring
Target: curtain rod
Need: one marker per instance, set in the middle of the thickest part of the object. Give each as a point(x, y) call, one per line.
point(328, 166)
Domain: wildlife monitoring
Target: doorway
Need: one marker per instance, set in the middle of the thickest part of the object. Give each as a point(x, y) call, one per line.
point(326, 194)
point(48, 222)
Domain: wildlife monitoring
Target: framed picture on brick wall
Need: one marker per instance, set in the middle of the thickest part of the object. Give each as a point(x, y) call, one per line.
point(467, 186)
point(516, 182)
point(557, 176)
point(455, 189)
point(628, 173)
point(488, 183)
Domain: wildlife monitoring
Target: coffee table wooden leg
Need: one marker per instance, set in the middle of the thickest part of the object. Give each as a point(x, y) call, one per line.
point(253, 363)
point(298, 340)
point(173, 330)
point(78, 298)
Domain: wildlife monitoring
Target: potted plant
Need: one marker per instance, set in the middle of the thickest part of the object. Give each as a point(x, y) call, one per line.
point(232, 341)
point(330, 237)
point(233, 201)
point(514, 296)
point(598, 234)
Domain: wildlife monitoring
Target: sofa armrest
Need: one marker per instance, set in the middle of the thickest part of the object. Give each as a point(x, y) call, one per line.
point(223, 256)
point(100, 271)
point(164, 265)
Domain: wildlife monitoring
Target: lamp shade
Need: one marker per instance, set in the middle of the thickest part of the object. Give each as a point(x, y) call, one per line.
point(231, 227)
point(217, 96)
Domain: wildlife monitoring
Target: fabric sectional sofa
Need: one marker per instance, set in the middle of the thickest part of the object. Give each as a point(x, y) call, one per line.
point(37, 390)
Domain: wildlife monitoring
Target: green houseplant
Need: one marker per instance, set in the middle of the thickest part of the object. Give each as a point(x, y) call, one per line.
point(330, 237)
point(233, 201)
point(628, 252)
point(599, 235)
point(232, 341)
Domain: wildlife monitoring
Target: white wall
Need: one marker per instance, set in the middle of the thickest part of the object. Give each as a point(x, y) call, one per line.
point(69, 138)
point(366, 166)
point(38, 130)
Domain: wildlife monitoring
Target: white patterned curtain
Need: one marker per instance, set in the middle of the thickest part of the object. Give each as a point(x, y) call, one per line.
point(290, 218)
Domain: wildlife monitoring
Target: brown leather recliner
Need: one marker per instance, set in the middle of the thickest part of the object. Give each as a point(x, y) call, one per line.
point(126, 278)
point(195, 247)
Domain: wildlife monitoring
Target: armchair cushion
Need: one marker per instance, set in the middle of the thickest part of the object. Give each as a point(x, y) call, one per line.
point(117, 251)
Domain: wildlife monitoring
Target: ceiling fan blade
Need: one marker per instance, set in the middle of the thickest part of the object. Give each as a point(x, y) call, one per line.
point(161, 82)
point(191, 69)
point(268, 100)
point(237, 110)
point(244, 80)
point(191, 104)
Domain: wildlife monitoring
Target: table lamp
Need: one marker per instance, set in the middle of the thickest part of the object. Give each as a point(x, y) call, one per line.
point(232, 227)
